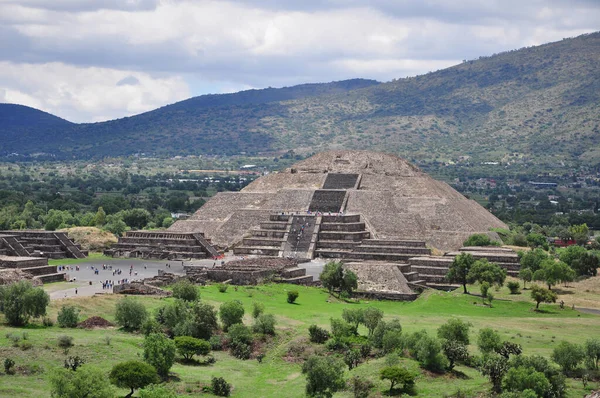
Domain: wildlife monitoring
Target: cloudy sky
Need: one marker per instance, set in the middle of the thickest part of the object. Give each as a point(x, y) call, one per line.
point(93, 60)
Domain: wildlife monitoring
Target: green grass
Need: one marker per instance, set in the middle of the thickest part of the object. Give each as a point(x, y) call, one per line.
point(277, 376)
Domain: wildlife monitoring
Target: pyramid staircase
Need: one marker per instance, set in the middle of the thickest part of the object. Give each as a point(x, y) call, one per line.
point(163, 245)
point(36, 266)
point(49, 244)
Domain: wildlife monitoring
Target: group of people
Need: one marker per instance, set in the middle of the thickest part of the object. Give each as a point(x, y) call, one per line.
point(108, 284)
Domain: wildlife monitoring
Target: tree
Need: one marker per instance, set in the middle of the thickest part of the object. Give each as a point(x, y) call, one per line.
point(459, 269)
point(133, 375)
point(264, 324)
point(220, 387)
point(521, 378)
point(427, 350)
point(115, 224)
point(371, 317)
point(231, 312)
point(455, 330)
point(541, 295)
point(480, 240)
point(159, 351)
point(335, 277)
point(324, 376)
point(136, 218)
point(526, 276)
point(570, 254)
point(494, 367)
point(360, 387)
point(203, 320)
point(397, 375)
point(352, 358)
point(455, 351)
point(130, 314)
point(240, 340)
point(100, 217)
point(318, 335)
point(586, 265)
point(292, 295)
point(537, 240)
point(185, 290)
point(488, 340)
point(553, 272)
point(67, 316)
point(354, 316)
point(580, 233)
point(257, 309)
point(568, 355)
point(592, 353)
point(87, 382)
point(189, 346)
point(484, 271)
point(532, 259)
point(21, 301)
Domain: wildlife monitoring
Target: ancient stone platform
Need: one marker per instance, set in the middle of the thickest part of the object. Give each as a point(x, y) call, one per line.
point(35, 268)
point(32, 243)
point(163, 245)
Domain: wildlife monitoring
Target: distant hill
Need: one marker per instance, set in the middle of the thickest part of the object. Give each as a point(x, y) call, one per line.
point(540, 103)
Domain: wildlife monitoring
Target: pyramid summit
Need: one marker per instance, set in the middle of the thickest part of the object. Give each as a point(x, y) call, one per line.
point(378, 197)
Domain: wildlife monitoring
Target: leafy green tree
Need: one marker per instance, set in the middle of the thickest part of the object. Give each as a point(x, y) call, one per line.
point(100, 217)
point(220, 387)
point(580, 233)
point(133, 375)
point(87, 382)
point(136, 218)
point(455, 330)
point(382, 328)
point(159, 351)
point(494, 367)
point(68, 316)
point(115, 224)
point(455, 351)
point(484, 271)
point(392, 341)
point(371, 317)
point(525, 275)
point(480, 240)
point(592, 353)
point(553, 272)
point(397, 375)
point(540, 364)
point(568, 355)
point(335, 277)
point(537, 240)
point(352, 358)
point(354, 316)
point(522, 378)
point(264, 324)
point(257, 309)
point(571, 253)
point(532, 259)
point(197, 320)
point(340, 328)
point(185, 290)
point(488, 340)
point(21, 301)
point(427, 350)
point(541, 295)
point(324, 376)
point(586, 265)
point(130, 314)
point(231, 312)
point(360, 387)
point(318, 335)
point(189, 346)
point(459, 269)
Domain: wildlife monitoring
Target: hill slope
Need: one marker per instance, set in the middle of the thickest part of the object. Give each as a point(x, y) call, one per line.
point(540, 103)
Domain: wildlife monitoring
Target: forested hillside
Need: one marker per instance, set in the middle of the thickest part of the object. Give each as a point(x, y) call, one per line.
point(537, 104)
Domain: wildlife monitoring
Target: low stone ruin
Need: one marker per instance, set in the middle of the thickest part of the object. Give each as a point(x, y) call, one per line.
point(139, 288)
point(94, 322)
point(162, 279)
point(8, 276)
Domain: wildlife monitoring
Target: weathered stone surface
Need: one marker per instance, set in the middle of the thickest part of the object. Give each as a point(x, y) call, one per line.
point(139, 288)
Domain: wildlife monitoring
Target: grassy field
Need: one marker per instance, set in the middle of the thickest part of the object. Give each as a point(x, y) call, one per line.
point(278, 375)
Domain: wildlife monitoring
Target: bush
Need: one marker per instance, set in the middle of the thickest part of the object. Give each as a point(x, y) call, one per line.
point(568, 355)
point(488, 340)
point(427, 351)
point(68, 316)
point(341, 328)
point(455, 330)
point(21, 301)
point(47, 322)
point(360, 387)
point(317, 335)
point(455, 351)
point(73, 363)
point(9, 366)
point(381, 329)
point(130, 314)
point(371, 317)
point(392, 341)
point(220, 387)
point(231, 312)
point(480, 240)
point(540, 294)
point(65, 341)
point(86, 382)
point(398, 376)
point(159, 351)
point(26, 345)
point(257, 309)
point(216, 343)
point(157, 391)
point(592, 353)
point(240, 340)
point(189, 346)
point(514, 287)
point(133, 375)
point(521, 378)
point(264, 324)
point(222, 287)
point(324, 375)
point(292, 295)
point(185, 290)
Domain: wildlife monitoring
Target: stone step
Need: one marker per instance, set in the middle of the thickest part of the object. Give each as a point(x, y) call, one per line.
point(429, 278)
point(151, 247)
point(443, 286)
point(57, 277)
point(379, 256)
point(272, 242)
point(491, 257)
point(279, 217)
point(348, 227)
point(268, 233)
point(392, 249)
point(293, 272)
point(337, 235)
point(258, 250)
point(402, 243)
point(425, 269)
point(41, 270)
point(298, 280)
point(273, 225)
point(340, 219)
point(431, 261)
point(154, 241)
point(411, 276)
point(337, 244)
point(404, 268)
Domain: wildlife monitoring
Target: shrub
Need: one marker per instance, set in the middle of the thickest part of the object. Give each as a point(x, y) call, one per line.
point(292, 295)
point(86, 382)
point(73, 363)
point(427, 351)
point(521, 378)
point(185, 290)
point(324, 375)
point(157, 391)
point(130, 314)
point(456, 330)
point(381, 329)
point(371, 317)
point(220, 387)
point(540, 294)
point(392, 341)
point(341, 328)
point(46, 321)
point(240, 339)
point(398, 376)
point(231, 312)
point(26, 345)
point(352, 358)
point(480, 240)
point(21, 301)
point(568, 355)
point(257, 309)
point(264, 324)
point(514, 287)
point(455, 351)
point(67, 316)
point(133, 375)
point(216, 343)
point(494, 367)
point(9, 365)
point(222, 287)
point(189, 346)
point(488, 340)
point(318, 335)
point(65, 341)
point(159, 351)
point(335, 277)
point(360, 387)
point(592, 353)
